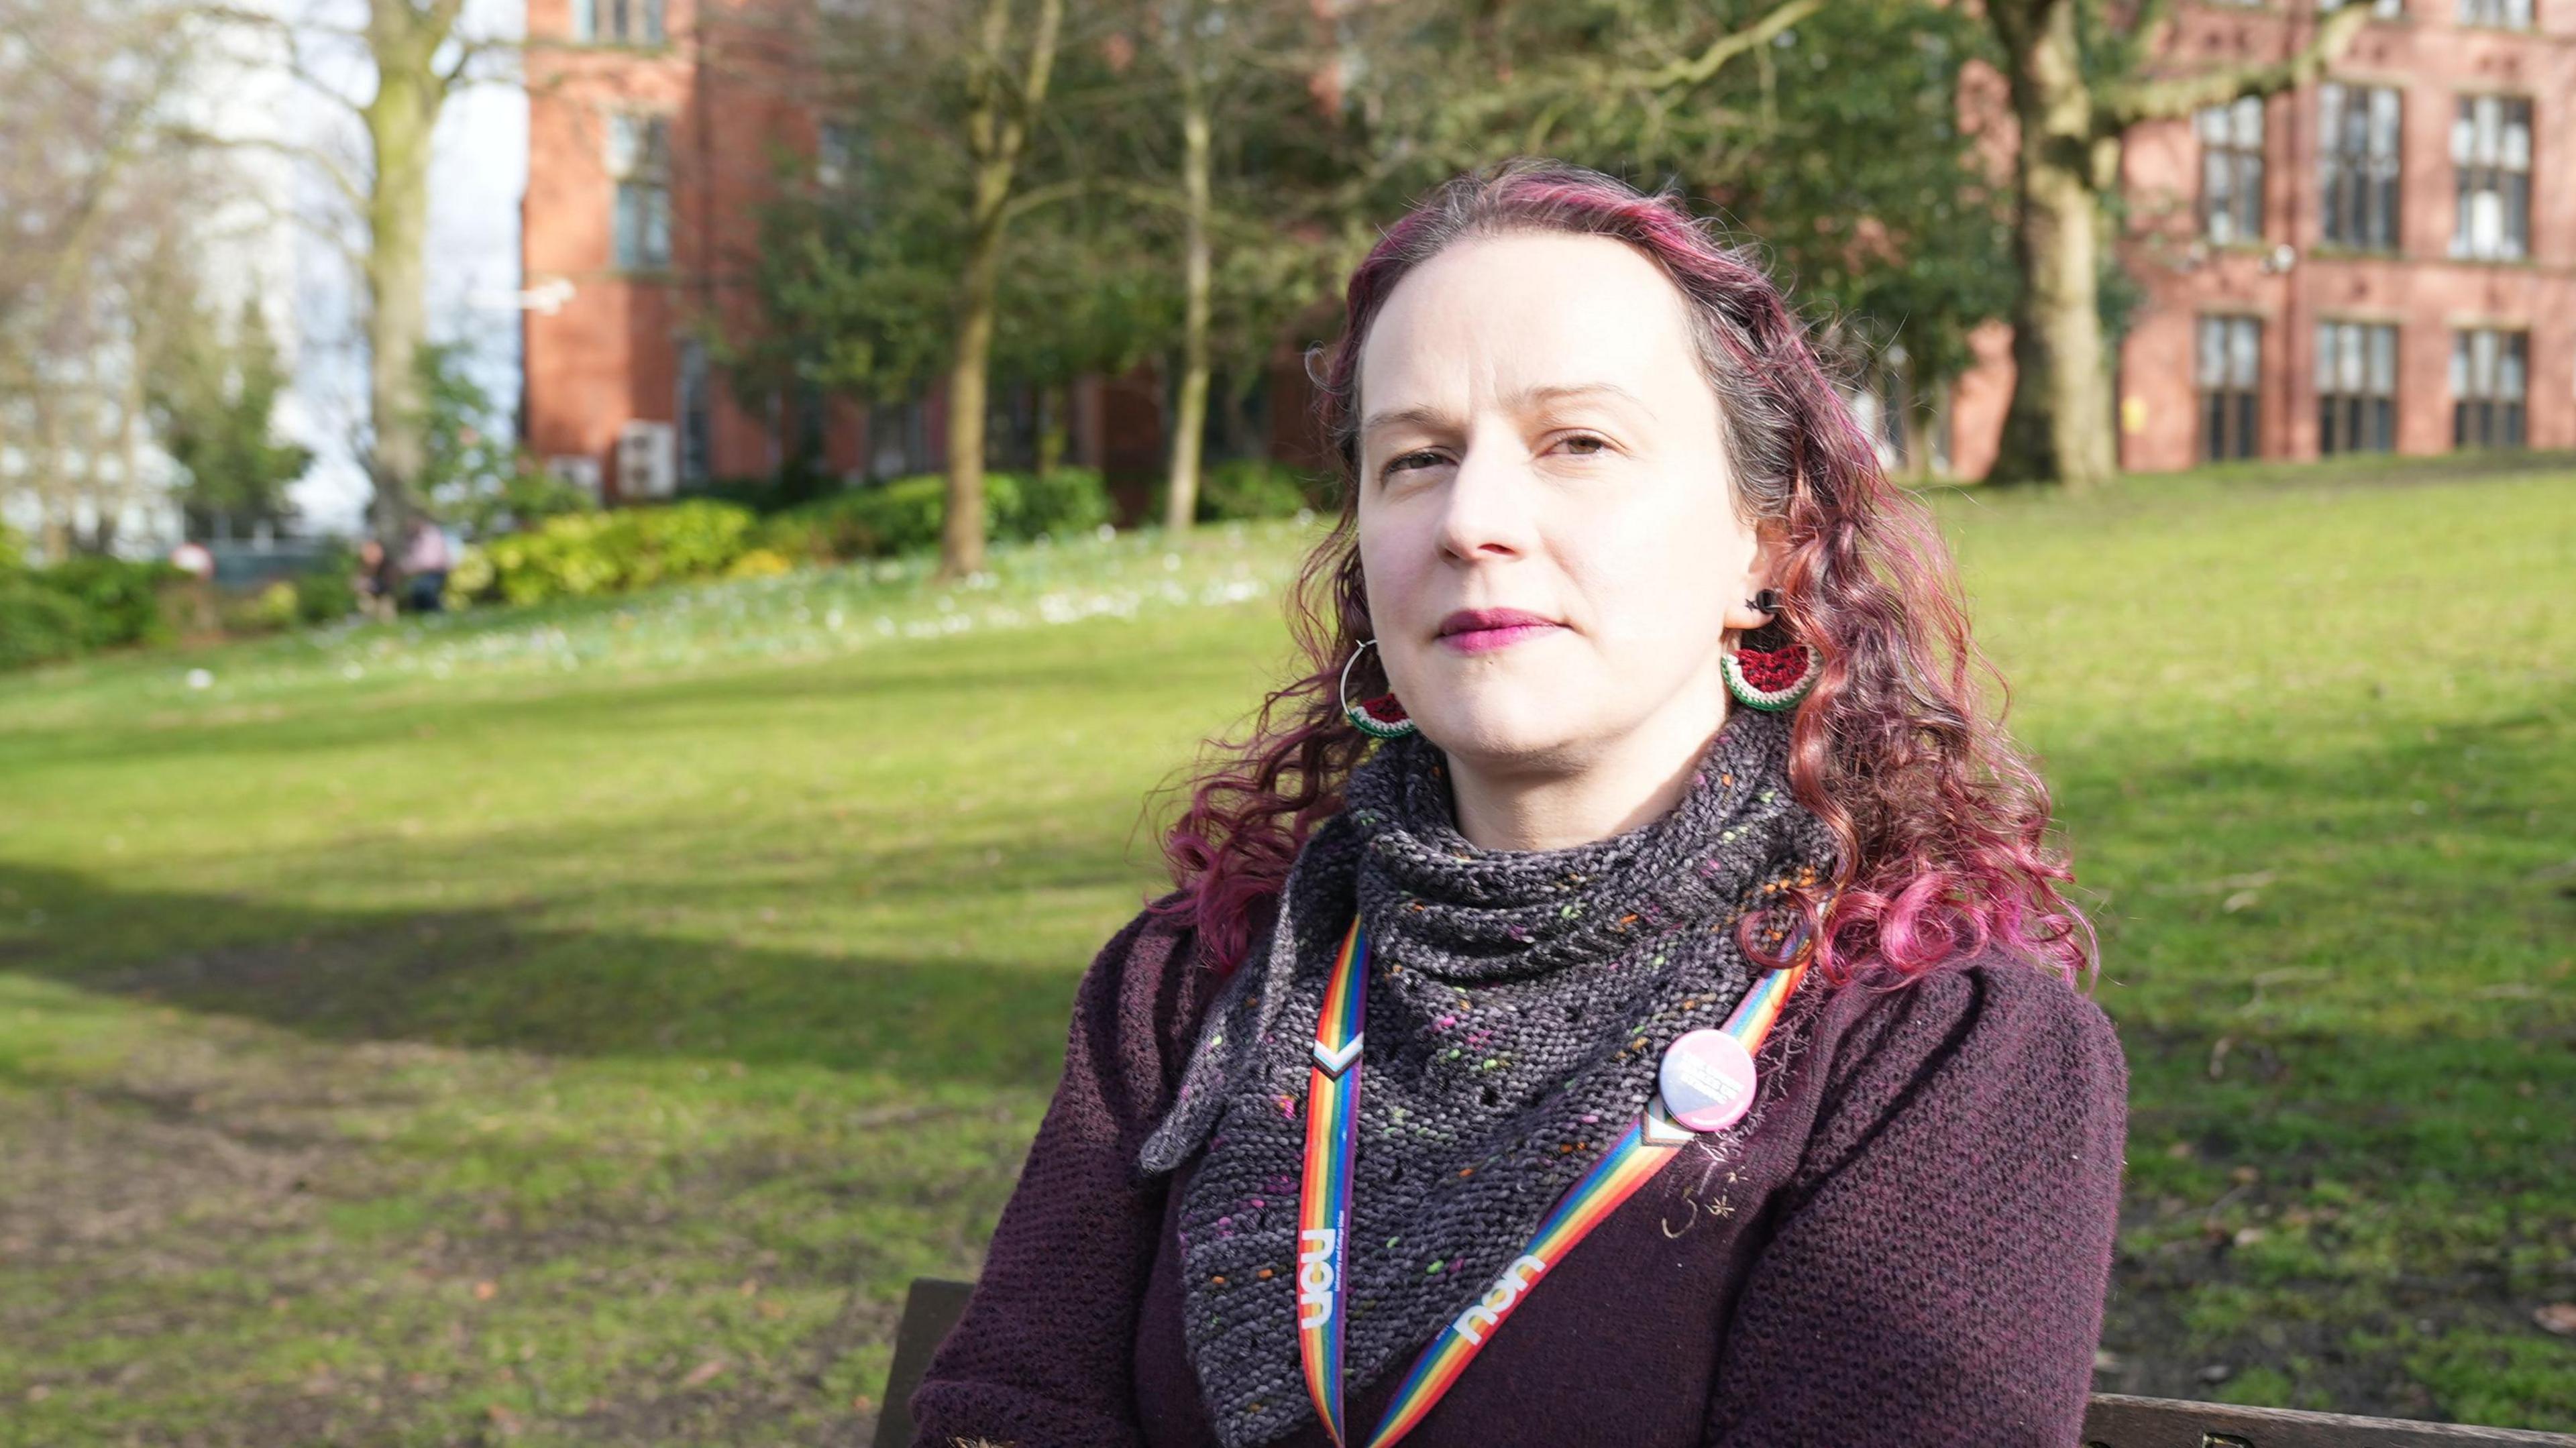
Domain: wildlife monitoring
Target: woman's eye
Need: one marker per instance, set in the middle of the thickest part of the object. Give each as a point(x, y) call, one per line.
point(1398, 463)
point(1598, 443)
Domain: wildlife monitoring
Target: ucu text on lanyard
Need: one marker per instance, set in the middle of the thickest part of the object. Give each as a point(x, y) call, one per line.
point(1706, 1083)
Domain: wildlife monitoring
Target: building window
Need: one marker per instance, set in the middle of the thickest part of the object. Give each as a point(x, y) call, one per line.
point(2382, 9)
point(2503, 14)
point(2231, 170)
point(2491, 155)
point(2356, 387)
point(2358, 126)
point(2231, 356)
point(639, 162)
point(2488, 380)
point(844, 166)
point(835, 148)
point(696, 412)
point(617, 22)
point(812, 425)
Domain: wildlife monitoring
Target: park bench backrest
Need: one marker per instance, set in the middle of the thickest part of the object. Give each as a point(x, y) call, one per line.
point(2112, 1420)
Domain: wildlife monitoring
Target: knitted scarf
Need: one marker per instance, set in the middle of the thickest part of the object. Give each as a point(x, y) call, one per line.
point(1518, 1006)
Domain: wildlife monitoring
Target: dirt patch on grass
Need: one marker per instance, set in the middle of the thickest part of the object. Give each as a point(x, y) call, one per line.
point(230, 1239)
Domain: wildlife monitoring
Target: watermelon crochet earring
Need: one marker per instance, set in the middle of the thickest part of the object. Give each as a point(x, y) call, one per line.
point(1379, 718)
point(1776, 676)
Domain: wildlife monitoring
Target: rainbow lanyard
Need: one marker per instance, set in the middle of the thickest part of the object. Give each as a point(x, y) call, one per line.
point(1324, 1199)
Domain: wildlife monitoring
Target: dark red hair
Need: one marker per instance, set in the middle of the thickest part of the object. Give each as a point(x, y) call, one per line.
point(1941, 820)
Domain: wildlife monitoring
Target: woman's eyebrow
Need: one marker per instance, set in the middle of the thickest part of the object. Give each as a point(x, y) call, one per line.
point(1523, 399)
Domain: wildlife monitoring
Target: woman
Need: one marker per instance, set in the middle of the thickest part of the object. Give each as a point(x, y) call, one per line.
point(1639, 716)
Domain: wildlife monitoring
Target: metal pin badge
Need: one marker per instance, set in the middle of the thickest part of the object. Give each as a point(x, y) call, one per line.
point(1707, 1080)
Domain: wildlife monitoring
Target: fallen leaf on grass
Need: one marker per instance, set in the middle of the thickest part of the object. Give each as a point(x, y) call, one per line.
point(2557, 1317)
point(485, 1291)
point(703, 1373)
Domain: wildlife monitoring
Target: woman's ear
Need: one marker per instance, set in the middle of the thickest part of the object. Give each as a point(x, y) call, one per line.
point(1763, 570)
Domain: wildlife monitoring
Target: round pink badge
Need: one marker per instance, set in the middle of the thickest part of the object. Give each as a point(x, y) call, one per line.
point(1707, 1080)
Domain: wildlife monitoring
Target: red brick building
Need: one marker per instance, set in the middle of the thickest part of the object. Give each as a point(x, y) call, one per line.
point(2383, 260)
point(655, 129)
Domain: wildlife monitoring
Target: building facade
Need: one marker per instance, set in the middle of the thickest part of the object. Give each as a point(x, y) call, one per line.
point(2381, 260)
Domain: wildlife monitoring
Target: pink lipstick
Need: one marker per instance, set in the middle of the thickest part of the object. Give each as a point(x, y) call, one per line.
point(1480, 630)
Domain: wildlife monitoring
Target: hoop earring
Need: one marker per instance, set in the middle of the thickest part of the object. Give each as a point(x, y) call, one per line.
point(1378, 718)
point(1770, 679)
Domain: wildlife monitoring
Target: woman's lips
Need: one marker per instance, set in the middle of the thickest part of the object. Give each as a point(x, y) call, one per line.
point(1485, 640)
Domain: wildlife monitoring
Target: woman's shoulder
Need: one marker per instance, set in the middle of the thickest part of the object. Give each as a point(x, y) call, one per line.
point(1150, 983)
point(1995, 1043)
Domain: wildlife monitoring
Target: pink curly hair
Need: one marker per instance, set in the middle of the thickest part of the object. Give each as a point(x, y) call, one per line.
point(1941, 820)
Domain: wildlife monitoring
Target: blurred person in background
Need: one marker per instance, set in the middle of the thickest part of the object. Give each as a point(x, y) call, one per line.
point(375, 581)
point(425, 562)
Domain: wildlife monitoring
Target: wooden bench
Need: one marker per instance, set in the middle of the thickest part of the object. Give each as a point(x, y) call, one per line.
point(2112, 1421)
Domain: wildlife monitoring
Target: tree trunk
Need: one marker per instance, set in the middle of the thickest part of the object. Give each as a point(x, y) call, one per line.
point(54, 521)
point(1189, 422)
point(2059, 425)
point(961, 525)
point(996, 127)
point(399, 122)
point(1055, 412)
point(1914, 424)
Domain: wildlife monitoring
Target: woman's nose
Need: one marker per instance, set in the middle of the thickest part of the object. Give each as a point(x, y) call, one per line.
point(1488, 511)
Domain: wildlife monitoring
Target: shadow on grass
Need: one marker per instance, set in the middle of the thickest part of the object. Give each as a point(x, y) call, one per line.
point(492, 977)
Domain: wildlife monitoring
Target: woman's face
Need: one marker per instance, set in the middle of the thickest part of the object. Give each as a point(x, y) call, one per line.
point(1546, 518)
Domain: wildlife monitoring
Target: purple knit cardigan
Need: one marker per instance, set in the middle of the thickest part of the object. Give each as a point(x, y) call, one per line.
point(1913, 1249)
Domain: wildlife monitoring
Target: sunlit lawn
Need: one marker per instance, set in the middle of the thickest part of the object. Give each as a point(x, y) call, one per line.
point(577, 1027)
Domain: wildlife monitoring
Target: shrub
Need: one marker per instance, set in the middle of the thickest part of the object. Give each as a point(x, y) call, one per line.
point(759, 563)
point(471, 577)
point(37, 625)
point(119, 600)
point(324, 593)
point(903, 516)
point(1065, 503)
point(83, 604)
point(267, 611)
point(578, 555)
point(1248, 488)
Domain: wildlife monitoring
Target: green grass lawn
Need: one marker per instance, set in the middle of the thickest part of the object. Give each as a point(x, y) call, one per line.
point(576, 1026)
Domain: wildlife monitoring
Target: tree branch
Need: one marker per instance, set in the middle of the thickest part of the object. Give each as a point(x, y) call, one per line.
point(1037, 196)
point(313, 156)
point(1695, 69)
point(2118, 107)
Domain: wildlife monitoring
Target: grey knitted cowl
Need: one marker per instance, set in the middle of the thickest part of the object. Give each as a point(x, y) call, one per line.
point(1518, 1005)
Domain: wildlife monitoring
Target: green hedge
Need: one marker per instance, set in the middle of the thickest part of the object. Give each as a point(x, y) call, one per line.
point(1248, 488)
point(324, 592)
point(903, 516)
point(37, 625)
point(82, 605)
point(577, 555)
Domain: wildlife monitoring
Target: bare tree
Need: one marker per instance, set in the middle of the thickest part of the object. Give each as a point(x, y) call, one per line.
point(1240, 71)
point(95, 194)
point(1007, 71)
point(391, 66)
